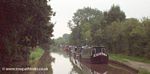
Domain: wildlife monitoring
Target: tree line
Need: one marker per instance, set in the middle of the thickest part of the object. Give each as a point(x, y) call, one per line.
point(111, 29)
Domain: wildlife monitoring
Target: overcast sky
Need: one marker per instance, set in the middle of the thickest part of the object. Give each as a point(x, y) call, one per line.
point(65, 8)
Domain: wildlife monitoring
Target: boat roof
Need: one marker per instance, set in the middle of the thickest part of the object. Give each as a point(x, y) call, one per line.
point(98, 47)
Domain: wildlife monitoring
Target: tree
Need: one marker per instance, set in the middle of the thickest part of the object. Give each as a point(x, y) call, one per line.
point(24, 25)
point(146, 23)
point(62, 40)
point(114, 14)
point(85, 21)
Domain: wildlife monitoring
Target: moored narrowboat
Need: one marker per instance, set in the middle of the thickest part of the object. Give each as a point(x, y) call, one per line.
point(99, 55)
point(96, 55)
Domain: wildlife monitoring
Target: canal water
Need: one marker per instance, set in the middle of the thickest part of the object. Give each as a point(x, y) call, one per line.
point(63, 64)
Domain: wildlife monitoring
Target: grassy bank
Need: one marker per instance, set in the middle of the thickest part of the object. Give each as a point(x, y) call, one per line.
point(124, 58)
point(143, 71)
point(36, 54)
point(37, 62)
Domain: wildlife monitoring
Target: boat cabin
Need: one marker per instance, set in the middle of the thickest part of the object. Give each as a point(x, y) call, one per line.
point(99, 55)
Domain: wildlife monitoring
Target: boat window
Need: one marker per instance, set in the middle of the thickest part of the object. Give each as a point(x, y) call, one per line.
point(103, 50)
point(93, 51)
point(98, 50)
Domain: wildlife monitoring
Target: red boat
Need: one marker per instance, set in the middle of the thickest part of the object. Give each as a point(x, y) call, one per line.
point(99, 55)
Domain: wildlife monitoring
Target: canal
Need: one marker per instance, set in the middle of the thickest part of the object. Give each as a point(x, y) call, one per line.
point(63, 64)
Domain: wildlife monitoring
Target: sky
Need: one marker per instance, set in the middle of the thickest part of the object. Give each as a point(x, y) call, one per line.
point(66, 8)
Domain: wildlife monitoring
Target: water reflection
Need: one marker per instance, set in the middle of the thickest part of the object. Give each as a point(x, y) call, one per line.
point(68, 65)
point(87, 68)
point(61, 65)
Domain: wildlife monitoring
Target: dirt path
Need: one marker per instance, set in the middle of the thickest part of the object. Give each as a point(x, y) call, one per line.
point(138, 65)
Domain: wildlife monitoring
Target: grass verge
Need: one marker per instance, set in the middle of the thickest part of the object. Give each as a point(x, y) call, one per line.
point(143, 71)
point(36, 54)
point(122, 58)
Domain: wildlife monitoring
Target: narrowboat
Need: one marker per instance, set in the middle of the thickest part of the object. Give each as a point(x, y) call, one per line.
point(99, 55)
point(96, 55)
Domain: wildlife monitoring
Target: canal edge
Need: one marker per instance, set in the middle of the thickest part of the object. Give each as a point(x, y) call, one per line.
point(117, 63)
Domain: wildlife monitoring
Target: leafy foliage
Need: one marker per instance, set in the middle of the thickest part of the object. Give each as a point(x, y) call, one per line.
point(62, 40)
point(85, 21)
point(24, 24)
point(111, 29)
